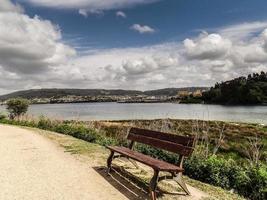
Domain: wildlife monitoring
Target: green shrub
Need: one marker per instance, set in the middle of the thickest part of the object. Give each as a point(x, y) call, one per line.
point(44, 123)
point(249, 181)
point(2, 116)
point(78, 131)
point(213, 170)
point(256, 189)
point(17, 107)
point(106, 141)
point(157, 153)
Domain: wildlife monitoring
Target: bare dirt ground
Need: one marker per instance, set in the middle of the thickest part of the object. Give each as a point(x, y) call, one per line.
point(34, 166)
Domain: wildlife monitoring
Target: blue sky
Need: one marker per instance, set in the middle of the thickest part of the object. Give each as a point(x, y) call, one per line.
point(137, 44)
point(172, 20)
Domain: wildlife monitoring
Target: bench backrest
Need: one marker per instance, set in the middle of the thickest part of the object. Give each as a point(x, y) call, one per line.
point(174, 143)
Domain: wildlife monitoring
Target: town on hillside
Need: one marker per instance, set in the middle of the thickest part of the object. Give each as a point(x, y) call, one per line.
point(134, 98)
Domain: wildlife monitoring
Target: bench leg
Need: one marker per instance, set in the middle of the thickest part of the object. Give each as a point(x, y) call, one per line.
point(109, 161)
point(153, 185)
point(179, 179)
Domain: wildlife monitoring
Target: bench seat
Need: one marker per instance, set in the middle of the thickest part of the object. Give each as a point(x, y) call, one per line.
point(147, 160)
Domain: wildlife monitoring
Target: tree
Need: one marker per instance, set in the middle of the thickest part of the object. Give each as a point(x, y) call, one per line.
point(241, 90)
point(17, 107)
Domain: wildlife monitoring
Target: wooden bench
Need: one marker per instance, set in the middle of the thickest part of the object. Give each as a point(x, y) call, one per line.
point(183, 146)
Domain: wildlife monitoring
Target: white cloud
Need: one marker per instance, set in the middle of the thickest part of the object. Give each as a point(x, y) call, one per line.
point(83, 12)
point(90, 4)
point(8, 6)
point(207, 46)
point(29, 45)
point(264, 38)
point(121, 14)
point(86, 12)
point(142, 28)
point(242, 31)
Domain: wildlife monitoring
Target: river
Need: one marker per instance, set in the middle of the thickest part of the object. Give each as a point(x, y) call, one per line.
point(121, 111)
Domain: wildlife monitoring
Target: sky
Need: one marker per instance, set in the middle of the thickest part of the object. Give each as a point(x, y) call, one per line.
point(137, 44)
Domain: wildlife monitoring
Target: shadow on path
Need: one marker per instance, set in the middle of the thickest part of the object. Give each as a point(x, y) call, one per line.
point(131, 186)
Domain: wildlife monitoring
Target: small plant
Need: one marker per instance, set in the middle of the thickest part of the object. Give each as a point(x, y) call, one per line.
point(219, 141)
point(17, 107)
point(2, 116)
point(254, 150)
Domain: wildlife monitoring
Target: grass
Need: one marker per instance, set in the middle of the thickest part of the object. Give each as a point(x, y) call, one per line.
point(95, 155)
point(236, 134)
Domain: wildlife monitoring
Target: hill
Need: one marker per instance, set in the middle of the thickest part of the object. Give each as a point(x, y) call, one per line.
point(172, 91)
point(241, 90)
point(57, 93)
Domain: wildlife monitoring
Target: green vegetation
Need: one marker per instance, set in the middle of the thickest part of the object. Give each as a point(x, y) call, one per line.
point(249, 181)
point(17, 107)
point(242, 90)
point(191, 100)
point(225, 167)
point(2, 116)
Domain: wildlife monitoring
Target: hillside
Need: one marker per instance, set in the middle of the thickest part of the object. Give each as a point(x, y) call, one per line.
point(49, 93)
point(241, 90)
point(172, 91)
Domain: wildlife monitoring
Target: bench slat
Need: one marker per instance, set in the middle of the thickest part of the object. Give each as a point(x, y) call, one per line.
point(185, 141)
point(166, 145)
point(147, 160)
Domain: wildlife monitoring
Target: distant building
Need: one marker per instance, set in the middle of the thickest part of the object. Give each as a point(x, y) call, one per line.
point(183, 93)
point(197, 93)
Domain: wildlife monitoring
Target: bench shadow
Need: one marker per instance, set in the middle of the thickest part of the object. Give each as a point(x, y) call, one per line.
point(130, 185)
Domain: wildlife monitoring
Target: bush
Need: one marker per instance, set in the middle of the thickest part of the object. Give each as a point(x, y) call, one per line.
point(2, 116)
point(17, 107)
point(44, 123)
point(106, 141)
point(257, 187)
point(249, 181)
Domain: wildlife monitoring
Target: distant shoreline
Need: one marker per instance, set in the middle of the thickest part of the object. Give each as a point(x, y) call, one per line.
point(141, 102)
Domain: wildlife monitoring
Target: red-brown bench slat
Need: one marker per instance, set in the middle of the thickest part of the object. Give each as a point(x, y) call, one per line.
point(147, 160)
point(185, 141)
point(166, 145)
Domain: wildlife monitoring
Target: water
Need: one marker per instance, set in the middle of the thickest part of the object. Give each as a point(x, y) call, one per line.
point(116, 111)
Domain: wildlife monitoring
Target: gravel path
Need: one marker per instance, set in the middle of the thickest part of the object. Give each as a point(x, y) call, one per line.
point(34, 168)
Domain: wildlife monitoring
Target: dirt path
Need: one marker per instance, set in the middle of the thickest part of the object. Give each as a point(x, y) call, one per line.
point(33, 167)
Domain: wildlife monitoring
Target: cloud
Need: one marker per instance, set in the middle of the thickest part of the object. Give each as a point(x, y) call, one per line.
point(207, 46)
point(243, 31)
point(90, 4)
point(30, 45)
point(8, 6)
point(214, 57)
point(264, 39)
point(142, 28)
point(121, 14)
point(148, 65)
point(85, 12)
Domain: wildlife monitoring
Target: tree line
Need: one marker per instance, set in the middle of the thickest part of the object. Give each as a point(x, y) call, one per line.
point(242, 90)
